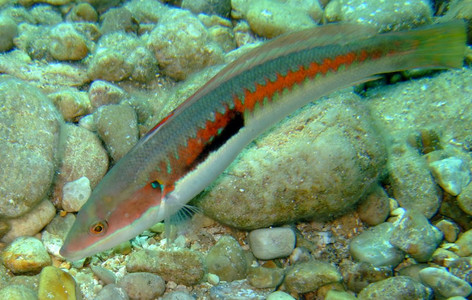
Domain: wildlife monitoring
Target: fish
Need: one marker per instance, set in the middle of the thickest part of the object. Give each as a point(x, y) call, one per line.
point(187, 150)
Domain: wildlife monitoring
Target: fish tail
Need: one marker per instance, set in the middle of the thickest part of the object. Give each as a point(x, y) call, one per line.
point(441, 45)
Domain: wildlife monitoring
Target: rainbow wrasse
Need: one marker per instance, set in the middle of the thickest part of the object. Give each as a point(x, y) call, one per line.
point(189, 148)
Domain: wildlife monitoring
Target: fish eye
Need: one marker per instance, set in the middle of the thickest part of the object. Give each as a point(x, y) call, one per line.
point(99, 228)
point(157, 185)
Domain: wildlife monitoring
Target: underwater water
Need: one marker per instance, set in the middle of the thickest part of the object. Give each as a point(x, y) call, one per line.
point(362, 191)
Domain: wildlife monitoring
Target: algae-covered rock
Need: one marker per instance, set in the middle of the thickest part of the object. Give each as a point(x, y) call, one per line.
point(373, 246)
point(416, 236)
point(309, 276)
point(8, 31)
point(181, 266)
point(398, 288)
point(227, 260)
point(142, 285)
point(25, 255)
point(17, 292)
point(385, 15)
point(317, 164)
point(261, 277)
point(445, 283)
point(29, 131)
point(83, 155)
point(182, 45)
point(117, 126)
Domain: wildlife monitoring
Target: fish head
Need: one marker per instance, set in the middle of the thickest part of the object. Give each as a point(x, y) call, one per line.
point(109, 218)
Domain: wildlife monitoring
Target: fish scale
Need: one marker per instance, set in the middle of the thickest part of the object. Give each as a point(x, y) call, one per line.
point(188, 149)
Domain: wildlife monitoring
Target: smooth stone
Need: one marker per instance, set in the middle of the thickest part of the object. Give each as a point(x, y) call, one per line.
point(182, 45)
point(270, 243)
point(25, 255)
point(449, 229)
point(117, 19)
point(227, 259)
point(398, 288)
point(182, 266)
point(29, 127)
point(31, 223)
point(375, 208)
point(452, 174)
point(279, 295)
point(105, 275)
point(443, 257)
point(54, 281)
point(112, 291)
point(17, 292)
point(82, 12)
point(75, 194)
point(309, 276)
point(117, 126)
point(213, 279)
point(464, 243)
point(373, 246)
point(416, 236)
point(261, 277)
point(142, 285)
point(208, 7)
point(444, 283)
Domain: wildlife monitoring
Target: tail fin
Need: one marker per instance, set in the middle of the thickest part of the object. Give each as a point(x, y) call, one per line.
point(441, 45)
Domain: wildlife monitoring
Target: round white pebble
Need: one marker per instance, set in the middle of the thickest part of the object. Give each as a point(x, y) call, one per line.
point(75, 194)
point(269, 243)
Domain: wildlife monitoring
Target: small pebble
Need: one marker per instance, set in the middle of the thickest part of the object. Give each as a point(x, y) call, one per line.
point(444, 283)
point(375, 208)
point(75, 194)
point(451, 174)
point(66, 43)
point(442, 257)
point(25, 255)
point(449, 229)
point(54, 281)
point(213, 279)
point(279, 295)
point(104, 93)
point(309, 276)
point(339, 295)
point(416, 236)
point(112, 291)
point(227, 259)
point(270, 243)
point(373, 246)
point(359, 275)
point(105, 275)
point(261, 277)
point(142, 285)
point(71, 103)
point(464, 243)
point(83, 12)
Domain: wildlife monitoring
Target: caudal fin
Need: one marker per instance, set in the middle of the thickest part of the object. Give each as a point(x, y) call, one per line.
point(441, 45)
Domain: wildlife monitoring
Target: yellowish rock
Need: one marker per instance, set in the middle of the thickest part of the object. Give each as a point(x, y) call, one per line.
point(54, 281)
